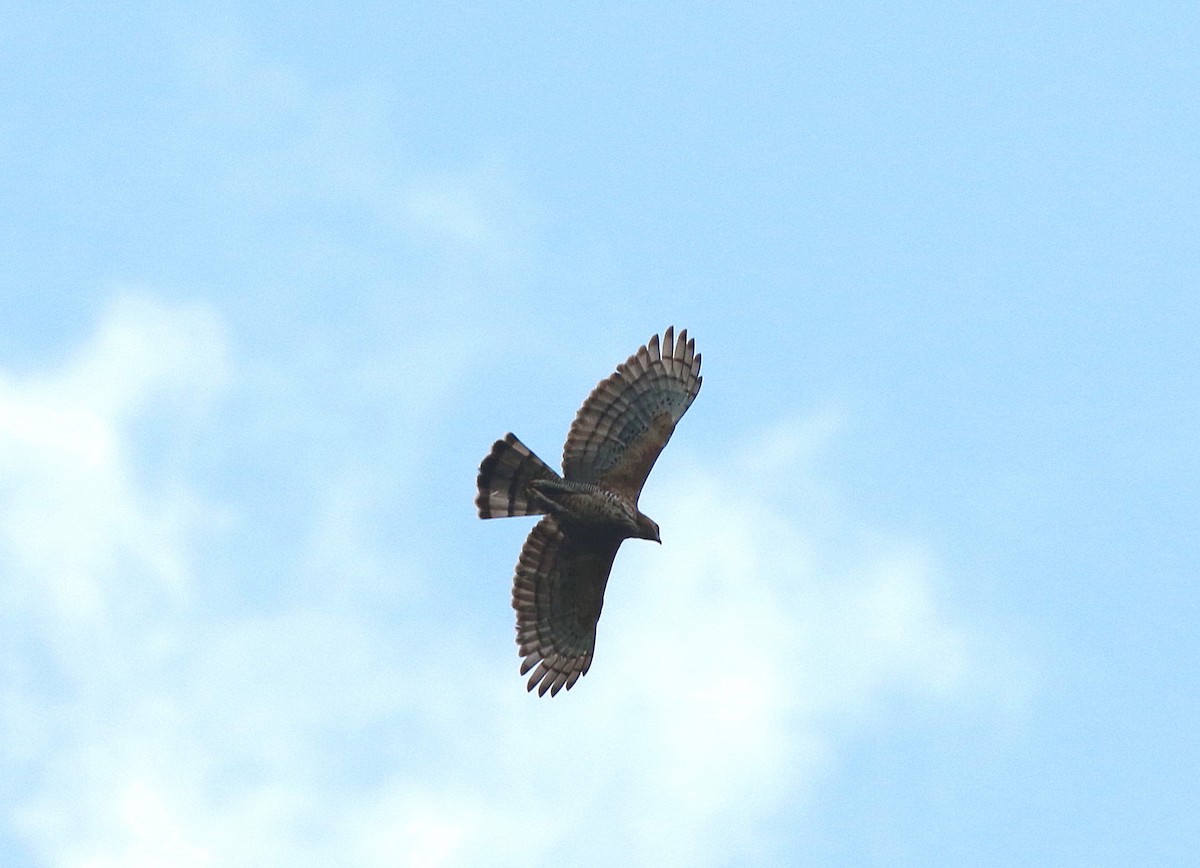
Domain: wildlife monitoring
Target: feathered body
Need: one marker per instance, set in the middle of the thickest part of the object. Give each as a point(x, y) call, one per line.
point(589, 509)
point(514, 481)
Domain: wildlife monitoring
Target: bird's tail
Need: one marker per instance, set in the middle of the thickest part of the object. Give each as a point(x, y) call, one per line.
point(504, 478)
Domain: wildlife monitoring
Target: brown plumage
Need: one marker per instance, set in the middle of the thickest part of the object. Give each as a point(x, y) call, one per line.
point(589, 510)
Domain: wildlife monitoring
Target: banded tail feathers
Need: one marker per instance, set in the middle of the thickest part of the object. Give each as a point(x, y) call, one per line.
point(504, 478)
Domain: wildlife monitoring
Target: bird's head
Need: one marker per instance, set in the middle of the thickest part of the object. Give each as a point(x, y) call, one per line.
point(648, 528)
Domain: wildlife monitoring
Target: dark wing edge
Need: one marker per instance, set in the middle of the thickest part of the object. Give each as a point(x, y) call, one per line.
point(558, 591)
point(628, 418)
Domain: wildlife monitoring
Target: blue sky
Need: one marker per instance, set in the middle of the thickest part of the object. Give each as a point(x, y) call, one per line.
point(275, 278)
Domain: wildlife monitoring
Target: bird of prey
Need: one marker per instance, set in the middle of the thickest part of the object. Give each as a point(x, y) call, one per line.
point(591, 508)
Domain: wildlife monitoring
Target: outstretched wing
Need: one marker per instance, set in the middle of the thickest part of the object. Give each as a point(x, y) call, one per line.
point(628, 419)
point(558, 592)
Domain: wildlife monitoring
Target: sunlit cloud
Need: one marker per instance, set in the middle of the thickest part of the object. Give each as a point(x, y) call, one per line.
point(333, 722)
point(76, 516)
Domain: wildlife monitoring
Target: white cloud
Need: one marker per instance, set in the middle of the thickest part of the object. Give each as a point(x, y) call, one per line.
point(729, 662)
point(74, 514)
point(475, 211)
point(300, 142)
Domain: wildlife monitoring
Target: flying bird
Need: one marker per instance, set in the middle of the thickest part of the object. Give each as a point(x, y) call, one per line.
point(589, 510)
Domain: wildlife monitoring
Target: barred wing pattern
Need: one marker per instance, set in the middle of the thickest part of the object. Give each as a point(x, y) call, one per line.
point(558, 592)
point(558, 589)
point(629, 417)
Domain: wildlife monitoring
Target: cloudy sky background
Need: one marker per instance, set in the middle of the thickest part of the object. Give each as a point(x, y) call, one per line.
point(275, 277)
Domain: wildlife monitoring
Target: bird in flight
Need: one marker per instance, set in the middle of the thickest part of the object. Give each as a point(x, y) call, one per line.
point(591, 508)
